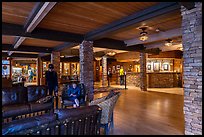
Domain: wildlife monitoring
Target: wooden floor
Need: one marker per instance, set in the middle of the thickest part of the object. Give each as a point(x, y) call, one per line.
point(148, 113)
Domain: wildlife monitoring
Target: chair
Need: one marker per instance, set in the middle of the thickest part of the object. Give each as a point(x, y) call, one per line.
point(64, 96)
point(107, 105)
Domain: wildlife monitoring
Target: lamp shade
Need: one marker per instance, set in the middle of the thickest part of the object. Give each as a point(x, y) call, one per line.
point(111, 53)
point(98, 58)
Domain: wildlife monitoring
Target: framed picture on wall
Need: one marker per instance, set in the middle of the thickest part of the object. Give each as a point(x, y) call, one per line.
point(166, 67)
point(149, 67)
point(118, 67)
point(156, 66)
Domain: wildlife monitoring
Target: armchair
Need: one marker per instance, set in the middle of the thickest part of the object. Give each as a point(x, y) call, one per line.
point(64, 96)
point(107, 105)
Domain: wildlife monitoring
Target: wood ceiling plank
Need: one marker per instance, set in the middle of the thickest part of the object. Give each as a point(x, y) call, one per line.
point(130, 21)
point(41, 42)
point(164, 23)
point(12, 12)
point(88, 15)
point(8, 39)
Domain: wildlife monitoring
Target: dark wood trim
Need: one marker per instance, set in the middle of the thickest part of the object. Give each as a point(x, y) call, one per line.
point(26, 48)
point(116, 44)
point(20, 55)
point(39, 33)
point(64, 45)
point(154, 51)
point(71, 59)
point(154, 11)
point(188, 5)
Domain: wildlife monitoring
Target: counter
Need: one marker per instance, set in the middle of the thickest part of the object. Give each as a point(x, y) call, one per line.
point(164, 80)
point(156, 79)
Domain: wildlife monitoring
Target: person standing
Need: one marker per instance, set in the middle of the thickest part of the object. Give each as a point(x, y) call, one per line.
point(121, 75)
point(30, 75)
point(51, 80)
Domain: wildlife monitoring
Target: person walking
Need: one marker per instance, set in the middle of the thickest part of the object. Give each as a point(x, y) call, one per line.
point(51, 80)
point(121, 73)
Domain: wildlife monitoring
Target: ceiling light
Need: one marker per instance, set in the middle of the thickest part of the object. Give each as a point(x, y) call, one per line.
point(180, 48)
point(168, 42)
point(111, 53)
point(98, 58)
point(143, 34)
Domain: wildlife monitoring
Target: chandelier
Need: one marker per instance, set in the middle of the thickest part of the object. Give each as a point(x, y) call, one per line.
point(143, 34)
point(111, 53)
point(168, 42)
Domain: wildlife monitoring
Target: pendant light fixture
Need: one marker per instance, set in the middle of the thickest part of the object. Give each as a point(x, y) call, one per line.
point(143, 34)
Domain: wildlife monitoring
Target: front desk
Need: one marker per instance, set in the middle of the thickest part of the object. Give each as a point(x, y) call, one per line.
point(156, 79)
point(164, 80)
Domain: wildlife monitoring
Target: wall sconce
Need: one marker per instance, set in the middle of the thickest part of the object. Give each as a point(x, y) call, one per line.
point(180, 48)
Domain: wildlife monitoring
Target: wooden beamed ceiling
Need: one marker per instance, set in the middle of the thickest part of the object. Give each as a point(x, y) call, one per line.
point(132, 20)
point(55, 26)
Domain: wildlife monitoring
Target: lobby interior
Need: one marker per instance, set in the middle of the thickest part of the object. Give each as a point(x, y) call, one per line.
point(159, 45)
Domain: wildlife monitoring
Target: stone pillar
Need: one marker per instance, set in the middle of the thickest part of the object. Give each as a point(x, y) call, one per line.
point(86, 67)
point(55, 60)
point(104, 71)
point(192, 55)
point(143, 75)
point(39, 72)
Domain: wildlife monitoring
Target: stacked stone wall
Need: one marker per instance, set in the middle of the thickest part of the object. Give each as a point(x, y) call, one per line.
point(192, 55)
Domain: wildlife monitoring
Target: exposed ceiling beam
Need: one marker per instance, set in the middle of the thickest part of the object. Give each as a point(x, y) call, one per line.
point(156, 37)
point(18, 42)
point(116, 44)
point(153, 51)
point(40, 10)
point(64, 45)
point(10, 52)
point(39, 33)
point(154, 11)
point(20, 55)
point(26, 48)
point(154, 45)
point(43, 54)
point(188, 5)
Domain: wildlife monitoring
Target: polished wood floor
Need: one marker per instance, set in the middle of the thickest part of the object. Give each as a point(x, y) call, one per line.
point(148, 113)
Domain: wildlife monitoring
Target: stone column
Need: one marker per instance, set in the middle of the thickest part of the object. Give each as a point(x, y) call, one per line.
point(86, 67)
point(39, 72)
point(55, 60)
point(192, 55)
point(104, 71)
point(143, 75)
